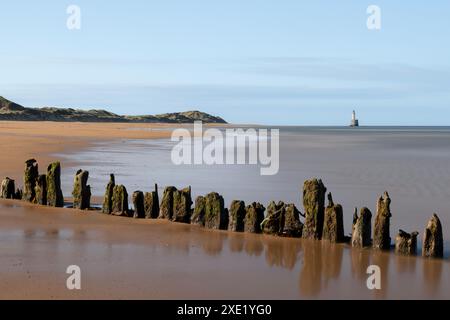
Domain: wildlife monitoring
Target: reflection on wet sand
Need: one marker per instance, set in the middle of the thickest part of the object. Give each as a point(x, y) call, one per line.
point(432, 273)
point(297, 267)
point(214, 245)
point(311, 271)
point(279, 252)
point(381, 259)
point(406, 264)
point(332, 260)
point(360, 261)
point(253, 246)
point(282, 252)
point(235, 242)
point(320, 262)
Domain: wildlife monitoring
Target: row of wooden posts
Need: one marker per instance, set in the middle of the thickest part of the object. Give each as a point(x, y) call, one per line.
point(320, 222)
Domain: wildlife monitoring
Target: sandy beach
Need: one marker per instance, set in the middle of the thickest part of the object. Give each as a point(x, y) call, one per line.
point(123, 258)
point(24, 140)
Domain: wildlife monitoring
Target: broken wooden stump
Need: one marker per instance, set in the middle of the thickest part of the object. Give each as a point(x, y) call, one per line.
point(406, 243)
point(381, 231)
point(151, 204)
point(81, 191)
point(236, 216)
point(166, 207)
point(198, 217)
point(292, 225)
point(362, 229)
point(254, 216)
point(333, 227)
point(41, 190)
point(182, 205)
point(216, 217)
point(313, 202)
point(433, 242)
point(138, 204)
point(120, 201)
point(107, 199)
point(55, 196)
point(29, 180)
point(7, 189)
point(273, 223)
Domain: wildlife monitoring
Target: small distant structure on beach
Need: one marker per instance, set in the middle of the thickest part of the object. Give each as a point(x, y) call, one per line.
point(355, 122)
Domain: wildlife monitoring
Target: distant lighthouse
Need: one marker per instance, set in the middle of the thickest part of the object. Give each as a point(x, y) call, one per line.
point(355, 122)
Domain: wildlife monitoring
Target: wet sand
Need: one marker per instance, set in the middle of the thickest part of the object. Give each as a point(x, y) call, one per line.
point(122, 258)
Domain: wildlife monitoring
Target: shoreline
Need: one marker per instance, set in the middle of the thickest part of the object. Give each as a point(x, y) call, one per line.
point(97, 201)
point(21, 139)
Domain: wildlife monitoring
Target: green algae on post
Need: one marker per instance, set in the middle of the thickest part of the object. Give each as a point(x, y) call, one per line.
point(81, 191)
point(151, 204)
point(109, 192)
point(216, 217)
point(236, 216)
point(313, 202)
point(55, 196)
point(120, 201)
point(29, 180)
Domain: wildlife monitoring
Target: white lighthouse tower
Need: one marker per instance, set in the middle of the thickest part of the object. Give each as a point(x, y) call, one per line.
point(355, 122)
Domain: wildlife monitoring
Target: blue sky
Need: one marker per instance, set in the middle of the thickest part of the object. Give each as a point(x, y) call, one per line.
point(269, 62)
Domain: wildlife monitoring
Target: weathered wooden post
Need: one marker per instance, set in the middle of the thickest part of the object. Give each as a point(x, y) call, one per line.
point(81, 191)
point(138, 204)
point(55, 196)
point(166, 207)
point(292, 225)
point(274, 221)
point(433, 242)
point(29, 180)
point(41, 190)
point(151, 204)
point(216, 217)
point(333, 227)
point(198, 217)
point(362, 229)
point(182, 203)
point(109, 192)
point(381, 231)
point(406, 243)
point(254, 217)
point(314, 204)
point(120, 201)
point(7, 189)
point(236, 216)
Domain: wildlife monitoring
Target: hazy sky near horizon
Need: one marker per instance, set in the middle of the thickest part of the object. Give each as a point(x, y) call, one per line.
point(269, 62)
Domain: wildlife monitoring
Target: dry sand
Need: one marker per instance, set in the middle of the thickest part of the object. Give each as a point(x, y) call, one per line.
point(122, 258)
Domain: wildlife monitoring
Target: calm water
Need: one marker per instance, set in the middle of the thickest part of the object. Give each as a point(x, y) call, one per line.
point(356, 165)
